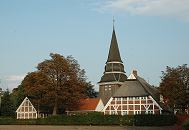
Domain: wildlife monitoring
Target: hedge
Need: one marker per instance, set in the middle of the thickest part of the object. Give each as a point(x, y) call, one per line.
point(96, 119)
point(186, 125)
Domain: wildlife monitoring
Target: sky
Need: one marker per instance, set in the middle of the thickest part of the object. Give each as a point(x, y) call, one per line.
point(151, 34)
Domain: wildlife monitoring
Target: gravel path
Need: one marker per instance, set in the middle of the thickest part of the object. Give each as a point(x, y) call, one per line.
point(42, 127)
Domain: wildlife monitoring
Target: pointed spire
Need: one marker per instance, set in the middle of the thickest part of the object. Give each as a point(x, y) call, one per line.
point(114, 54)
point(114, 68)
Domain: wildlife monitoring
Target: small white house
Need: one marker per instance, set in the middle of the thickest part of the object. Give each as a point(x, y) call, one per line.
point(26, 110)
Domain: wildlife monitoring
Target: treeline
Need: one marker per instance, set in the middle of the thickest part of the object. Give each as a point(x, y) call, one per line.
point(56, 86)
point(59, 83)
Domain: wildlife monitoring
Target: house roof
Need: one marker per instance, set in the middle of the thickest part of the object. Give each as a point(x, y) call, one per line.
point(88, 104)
point(131, 88)
point(29, 104)
point(137, 87)
point(150, 89)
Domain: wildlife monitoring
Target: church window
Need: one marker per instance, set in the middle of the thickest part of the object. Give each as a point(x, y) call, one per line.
point(150, 112)
point(118, 99)
point(137, 112)
point(105, 88)
point(125, 112)
point(130, 98)
point(137, 97)
point(113, 113)
point(124, 99)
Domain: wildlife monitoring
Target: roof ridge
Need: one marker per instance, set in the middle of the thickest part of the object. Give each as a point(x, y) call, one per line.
point(142, 84)
point(147, 87)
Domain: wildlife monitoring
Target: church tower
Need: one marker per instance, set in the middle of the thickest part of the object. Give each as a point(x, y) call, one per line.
point(114, 74)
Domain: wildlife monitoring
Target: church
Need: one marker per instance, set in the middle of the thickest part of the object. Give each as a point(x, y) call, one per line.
point(119, 94)
point(122, 94)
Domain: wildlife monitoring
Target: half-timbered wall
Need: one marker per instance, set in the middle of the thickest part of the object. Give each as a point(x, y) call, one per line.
point(132, 106)
point(26, 110)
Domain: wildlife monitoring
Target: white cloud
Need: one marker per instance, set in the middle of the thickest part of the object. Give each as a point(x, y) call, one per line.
point(173, 8)
point(11, 81)
point(15, 77)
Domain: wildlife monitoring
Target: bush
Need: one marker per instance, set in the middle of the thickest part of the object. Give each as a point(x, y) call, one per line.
point(100, 119)
point(13, 121)
point(7, 121)
point(96, 119)
point(154, 120)
point(181, 118)
point(127, 120)
point(186, 125)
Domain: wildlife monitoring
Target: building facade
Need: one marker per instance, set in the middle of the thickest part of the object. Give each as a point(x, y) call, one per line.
point(124, 95)
point(26, 110)
point(135, 96)
point(132, 106)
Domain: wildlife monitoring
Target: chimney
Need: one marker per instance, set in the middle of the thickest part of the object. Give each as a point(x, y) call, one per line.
point(135, 73)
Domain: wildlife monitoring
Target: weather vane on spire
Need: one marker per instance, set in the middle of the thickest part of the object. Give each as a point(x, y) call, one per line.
point(113, 22)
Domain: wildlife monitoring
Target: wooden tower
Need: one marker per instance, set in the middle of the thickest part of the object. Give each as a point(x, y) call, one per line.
point(114, 74)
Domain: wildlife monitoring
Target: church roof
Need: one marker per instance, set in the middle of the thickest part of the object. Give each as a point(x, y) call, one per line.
point(113, 77)
point(114, 54)
point(131, 88)
point(114, 69)
point(154, 92)
point(137, 88)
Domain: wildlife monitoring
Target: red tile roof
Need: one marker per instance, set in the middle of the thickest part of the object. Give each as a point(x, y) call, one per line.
point(88, 104)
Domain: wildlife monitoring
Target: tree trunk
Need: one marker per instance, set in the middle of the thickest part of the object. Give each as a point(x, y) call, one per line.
point(183, 109)
point(55, 107)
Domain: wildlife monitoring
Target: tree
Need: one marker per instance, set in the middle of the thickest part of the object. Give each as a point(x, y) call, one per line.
point(17, 96)
point(174, 86)
point(36, 86)
point(90, 92)
point(59, 81)
point(7, 108)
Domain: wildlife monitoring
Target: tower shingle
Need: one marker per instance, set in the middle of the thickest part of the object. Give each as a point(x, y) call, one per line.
point(114, 68)
point(114, 54)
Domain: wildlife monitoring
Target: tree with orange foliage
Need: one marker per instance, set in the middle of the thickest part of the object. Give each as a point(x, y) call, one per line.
point(58, 82)
point(174, 87)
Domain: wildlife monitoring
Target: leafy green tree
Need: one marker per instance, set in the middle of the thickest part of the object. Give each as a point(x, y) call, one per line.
point(7, 108)
point(17, 96)
point(58, 82)
point(174, 87)
point(90, 91)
